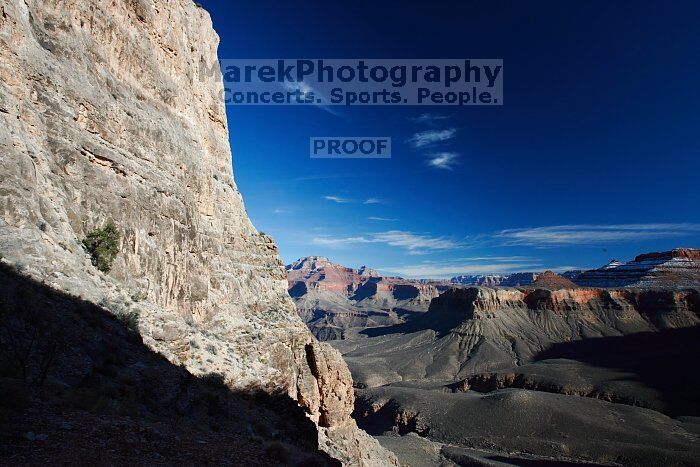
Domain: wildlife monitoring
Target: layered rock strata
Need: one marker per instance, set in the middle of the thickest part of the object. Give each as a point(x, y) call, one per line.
point(113, 112)
point(332, 298)
point(477, 329)
point(677, 268)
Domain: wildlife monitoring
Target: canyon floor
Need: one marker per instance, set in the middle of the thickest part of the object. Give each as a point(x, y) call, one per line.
point(550, 373)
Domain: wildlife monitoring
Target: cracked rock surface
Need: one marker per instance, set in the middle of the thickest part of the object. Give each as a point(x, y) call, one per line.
point(113, 111)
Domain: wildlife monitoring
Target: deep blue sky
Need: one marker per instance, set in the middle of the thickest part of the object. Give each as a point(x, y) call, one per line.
point(599, 132)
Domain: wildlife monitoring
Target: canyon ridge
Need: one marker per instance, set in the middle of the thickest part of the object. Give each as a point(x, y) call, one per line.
point(551, 370)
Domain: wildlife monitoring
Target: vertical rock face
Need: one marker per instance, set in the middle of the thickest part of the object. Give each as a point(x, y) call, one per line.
point(113, 111)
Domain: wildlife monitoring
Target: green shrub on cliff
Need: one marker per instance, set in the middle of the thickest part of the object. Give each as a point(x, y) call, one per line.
point(127, 316)
point(103, 246)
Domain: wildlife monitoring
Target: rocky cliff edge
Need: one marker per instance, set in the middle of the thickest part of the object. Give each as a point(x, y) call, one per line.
point(115, 113)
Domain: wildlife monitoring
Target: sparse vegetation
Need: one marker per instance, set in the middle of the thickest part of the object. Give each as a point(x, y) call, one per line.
point(127, 316)
point(138, 296)
point(103, 246)
point(130, 319)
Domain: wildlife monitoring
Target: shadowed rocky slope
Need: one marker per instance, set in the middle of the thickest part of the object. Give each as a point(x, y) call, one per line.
point(518, 427)
point(78, 384)
point(114, 112)
point(474, 330)
point(535, 376)
point(642, 369)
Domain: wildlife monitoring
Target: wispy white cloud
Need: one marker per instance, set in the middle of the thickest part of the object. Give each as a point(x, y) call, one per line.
point(413, 243)
point(340, 199)
point(339, 241)
point(438, 271)
point(591, 234)
point(426, 138)
point(337, 199)
point(372, 201)
point(429, 119)
point(472, 265)
point(282, 211)
point(443, 160)
point(381, 219)
point(500, 259)
point(308, 92)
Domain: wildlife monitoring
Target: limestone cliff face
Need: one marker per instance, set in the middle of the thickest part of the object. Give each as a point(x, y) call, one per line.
point(617, 309)
point(479, 329)
point(113, 111)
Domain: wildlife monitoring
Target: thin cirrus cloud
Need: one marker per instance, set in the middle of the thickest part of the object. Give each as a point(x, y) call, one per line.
point(442, 271)
point(413, 243)
point(443, 160)
point(472, 266)
point(372, 201)
point(308, 91)
point(341, 200)
point(427, 138)
point(381, 219)
point(337, 199)
point(429, 119)
point(592, 234)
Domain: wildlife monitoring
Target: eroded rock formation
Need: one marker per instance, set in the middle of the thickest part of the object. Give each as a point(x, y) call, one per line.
point(332, 298)
point(536, 375)
point(478, 329)
point(677, 268)
point(114, 112)
point(515, 279)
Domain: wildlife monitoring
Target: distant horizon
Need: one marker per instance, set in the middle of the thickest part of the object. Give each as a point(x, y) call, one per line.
point(388, 273)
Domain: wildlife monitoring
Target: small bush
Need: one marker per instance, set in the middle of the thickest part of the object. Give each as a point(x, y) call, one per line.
point(139, 296)
point(103, 246)
point(130, 319)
